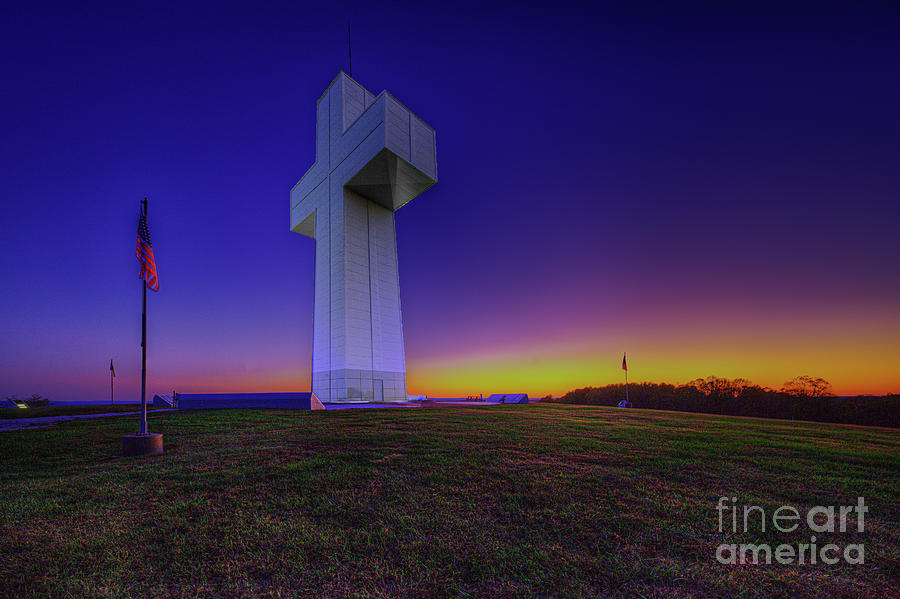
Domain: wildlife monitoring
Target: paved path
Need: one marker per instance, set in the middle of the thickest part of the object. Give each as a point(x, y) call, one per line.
point(13, 424)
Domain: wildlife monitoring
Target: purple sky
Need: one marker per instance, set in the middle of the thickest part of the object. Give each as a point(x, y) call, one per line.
point(713, 188)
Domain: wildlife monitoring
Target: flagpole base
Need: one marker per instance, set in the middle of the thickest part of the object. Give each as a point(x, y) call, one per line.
point(147, 444)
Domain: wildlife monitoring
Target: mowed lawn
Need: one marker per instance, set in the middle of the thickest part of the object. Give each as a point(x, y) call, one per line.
point(507, 501)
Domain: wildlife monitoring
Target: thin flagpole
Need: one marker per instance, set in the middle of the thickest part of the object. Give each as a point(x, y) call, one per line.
point(111, 402)
point(143, 428)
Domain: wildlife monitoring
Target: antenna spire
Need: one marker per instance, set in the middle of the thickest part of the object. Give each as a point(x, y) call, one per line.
point(349, 51)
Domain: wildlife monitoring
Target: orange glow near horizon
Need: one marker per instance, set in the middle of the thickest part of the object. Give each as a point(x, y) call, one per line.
point(855, 364)
point(863, 363)
point(541, 375)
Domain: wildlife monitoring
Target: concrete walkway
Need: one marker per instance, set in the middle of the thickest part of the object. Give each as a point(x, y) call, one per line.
point(13, 424)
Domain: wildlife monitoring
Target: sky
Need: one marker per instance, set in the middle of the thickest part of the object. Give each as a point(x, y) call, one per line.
point(713, 188)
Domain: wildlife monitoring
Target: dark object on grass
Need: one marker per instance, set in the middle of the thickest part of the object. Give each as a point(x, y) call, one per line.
point(135, 445)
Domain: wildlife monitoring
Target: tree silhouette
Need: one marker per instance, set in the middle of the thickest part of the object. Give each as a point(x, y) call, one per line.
point(720, 388)
point(807, 386)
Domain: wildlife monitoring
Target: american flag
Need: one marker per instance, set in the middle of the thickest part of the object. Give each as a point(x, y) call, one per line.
point(145, 254)
point(624, 363)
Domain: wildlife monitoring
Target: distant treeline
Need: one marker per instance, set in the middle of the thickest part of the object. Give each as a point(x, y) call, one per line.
point(804, 398)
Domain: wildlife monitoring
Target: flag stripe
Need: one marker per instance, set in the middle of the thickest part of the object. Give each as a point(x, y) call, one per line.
point(145, 255)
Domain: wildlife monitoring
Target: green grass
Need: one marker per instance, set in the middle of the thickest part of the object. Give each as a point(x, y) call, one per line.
point(507, 501)
point(10, 413)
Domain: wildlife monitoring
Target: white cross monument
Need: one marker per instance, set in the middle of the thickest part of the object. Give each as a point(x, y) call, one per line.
point(372, 157)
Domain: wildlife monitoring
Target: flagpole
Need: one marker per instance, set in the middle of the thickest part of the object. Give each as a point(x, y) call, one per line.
point(111, 402)
point(144, 442)
point(626, 385)
point(143, 428)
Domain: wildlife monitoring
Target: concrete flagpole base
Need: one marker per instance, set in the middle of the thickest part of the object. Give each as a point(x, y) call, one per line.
point(150, 443)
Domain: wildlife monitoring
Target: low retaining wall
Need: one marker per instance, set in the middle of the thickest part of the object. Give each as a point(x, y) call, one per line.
point(278, 401)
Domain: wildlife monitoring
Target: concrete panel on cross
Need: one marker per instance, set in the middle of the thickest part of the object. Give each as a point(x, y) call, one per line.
point(372, 157)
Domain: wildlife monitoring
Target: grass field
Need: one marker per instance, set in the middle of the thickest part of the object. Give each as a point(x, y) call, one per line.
point(507, 501)
point(8, 413)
